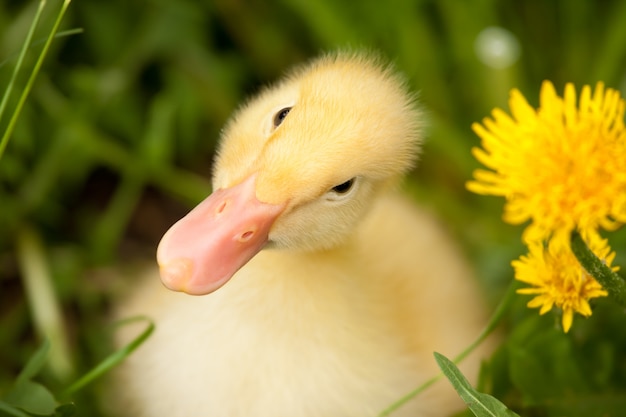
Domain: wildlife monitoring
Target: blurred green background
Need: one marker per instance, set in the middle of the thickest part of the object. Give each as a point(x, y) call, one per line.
point(115, 143)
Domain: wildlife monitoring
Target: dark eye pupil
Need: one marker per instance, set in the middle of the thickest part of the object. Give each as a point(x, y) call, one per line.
point(343, 187)
point(280, 116)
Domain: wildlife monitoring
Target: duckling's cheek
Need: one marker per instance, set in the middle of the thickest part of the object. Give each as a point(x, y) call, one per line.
point(203, 250)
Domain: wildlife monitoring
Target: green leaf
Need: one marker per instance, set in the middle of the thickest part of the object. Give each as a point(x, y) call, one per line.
point(6, 408)
point(482, 405)
point(32, 397)
point(65, 410)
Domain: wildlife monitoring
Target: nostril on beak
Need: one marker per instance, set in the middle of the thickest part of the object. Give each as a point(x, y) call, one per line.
point(220, 209)
point(245, 236)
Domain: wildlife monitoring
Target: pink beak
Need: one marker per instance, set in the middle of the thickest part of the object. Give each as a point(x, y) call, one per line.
point(203, 250)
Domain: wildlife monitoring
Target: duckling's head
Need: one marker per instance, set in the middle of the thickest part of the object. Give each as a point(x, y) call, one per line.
point(297, 168)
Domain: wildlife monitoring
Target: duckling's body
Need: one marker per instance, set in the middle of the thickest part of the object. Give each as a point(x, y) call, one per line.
point(343, 328)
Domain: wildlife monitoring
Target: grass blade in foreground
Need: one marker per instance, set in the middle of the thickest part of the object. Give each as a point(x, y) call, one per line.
point(31, 80)
point(482, 405)
point(116, 357)
point(18, 65)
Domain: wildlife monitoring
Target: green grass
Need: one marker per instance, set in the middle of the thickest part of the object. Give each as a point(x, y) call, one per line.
point(116, 132)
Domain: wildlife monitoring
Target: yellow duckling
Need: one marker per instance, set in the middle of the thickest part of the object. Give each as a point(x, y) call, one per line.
point(331, 289)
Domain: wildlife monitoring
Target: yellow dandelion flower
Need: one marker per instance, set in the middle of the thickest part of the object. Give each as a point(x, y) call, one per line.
point(562, 166)
point(556, 278)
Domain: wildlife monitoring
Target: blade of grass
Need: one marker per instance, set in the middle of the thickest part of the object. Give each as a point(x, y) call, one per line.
point(109, 229)
point(60, 34)
point(610, 55)
point(31, 80)
point(106, 149)
point(42, 300)
point(18, 65)
point(35, 363)
point(115, 358)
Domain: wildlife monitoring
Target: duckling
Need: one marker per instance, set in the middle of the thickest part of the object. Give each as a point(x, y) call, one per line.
point(321, 291)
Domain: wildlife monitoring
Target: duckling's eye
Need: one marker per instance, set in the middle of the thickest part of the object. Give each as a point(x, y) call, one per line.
point(280, 116)
point(344, 187)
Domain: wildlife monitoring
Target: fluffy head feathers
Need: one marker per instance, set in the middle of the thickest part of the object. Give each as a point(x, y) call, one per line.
point(351, 116)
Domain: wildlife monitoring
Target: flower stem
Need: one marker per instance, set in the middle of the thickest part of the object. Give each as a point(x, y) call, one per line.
point(610, 281)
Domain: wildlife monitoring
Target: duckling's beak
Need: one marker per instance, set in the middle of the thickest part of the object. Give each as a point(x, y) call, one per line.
point(203, 250)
